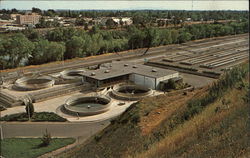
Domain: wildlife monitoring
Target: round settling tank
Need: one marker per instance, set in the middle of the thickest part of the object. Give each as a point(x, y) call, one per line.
point(130, 92)
point(72, 74)
point(30, 83)
point(86, 105)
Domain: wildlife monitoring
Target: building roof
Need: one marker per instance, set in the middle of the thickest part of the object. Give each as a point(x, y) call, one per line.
point(116, 69)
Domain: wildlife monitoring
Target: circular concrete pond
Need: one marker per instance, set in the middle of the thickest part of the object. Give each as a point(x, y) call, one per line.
point(86, 105)
point(72, 74)
point(130, 92)
point(30, 83)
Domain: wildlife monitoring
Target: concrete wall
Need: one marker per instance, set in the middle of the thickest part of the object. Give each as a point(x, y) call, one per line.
point(158, 80)
point(143, 80)
point(150, 82)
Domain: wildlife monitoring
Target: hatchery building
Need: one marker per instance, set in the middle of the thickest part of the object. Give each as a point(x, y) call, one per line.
point(139, 74)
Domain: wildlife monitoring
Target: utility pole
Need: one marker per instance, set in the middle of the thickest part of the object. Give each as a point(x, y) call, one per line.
point(192, 5)
point(28, 107)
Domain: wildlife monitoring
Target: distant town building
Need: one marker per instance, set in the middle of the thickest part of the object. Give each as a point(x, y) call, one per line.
point(27, 19)
point(13, 16)
point(117, 20)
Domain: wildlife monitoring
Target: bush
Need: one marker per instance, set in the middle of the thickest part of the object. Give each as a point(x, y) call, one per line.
point(47, 116)
point(37, 117)
point(2, 108)
point(97, 138)
point(171, 84)
point(135, 118)
point(15, 117)
point(46, 139)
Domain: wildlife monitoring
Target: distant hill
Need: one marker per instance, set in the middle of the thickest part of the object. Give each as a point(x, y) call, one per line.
point(208, 122)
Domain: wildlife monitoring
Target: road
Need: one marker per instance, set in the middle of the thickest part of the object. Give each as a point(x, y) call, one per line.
point(36, 129)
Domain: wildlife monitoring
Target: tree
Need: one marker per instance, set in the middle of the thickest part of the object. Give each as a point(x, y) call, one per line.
point(18, 49)
point(14, 11)
point(55, 51)
point(80, 22)
point(36, 10)
point(110, 23)
point(95, 29)
point(74, 47)
point(184, 36)
point(31, 34)
point(174, 35)
point(165, 37)
point(29, 109)
point(39, 54)
point(136, 40)
point(46, 139)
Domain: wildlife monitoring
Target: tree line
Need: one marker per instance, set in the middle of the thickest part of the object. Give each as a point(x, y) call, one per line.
point(30, 48)
point(142, 14)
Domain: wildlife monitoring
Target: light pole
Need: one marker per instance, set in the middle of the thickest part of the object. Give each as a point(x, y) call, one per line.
point(1, 132)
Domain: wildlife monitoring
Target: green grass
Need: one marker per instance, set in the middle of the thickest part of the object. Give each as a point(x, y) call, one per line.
point(37, 117)
point(29, 147)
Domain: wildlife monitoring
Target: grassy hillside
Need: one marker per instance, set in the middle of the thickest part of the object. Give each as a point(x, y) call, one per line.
point(209, 122)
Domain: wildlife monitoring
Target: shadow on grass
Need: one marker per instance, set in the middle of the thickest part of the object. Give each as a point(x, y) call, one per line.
point(41, 145)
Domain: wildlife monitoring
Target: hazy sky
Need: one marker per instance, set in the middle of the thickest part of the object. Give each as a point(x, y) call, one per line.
point(132, 4)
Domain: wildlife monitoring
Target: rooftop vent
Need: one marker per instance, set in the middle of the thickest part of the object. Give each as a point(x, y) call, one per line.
point(92, 74)
point(106, 71)
point(125, 64)
point(135, 66)
point(154, 70)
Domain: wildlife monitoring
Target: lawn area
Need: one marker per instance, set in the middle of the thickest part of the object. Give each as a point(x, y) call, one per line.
point(29, 147)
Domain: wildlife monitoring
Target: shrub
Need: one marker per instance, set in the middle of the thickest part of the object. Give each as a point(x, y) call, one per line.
point(37, 117)
point(2, 108)
point(47, 116)
point(171, 84)
point(46, 139)
point(15, 117)
point(135, 118)
point(97, 138)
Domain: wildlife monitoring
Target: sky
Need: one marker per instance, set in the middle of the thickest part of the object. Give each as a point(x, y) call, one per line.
point(127, 5)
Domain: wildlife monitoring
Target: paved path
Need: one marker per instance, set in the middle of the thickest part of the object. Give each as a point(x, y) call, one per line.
point(34, 129)
point(196, 81)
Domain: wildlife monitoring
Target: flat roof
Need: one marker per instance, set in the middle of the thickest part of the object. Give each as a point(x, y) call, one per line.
point(116, 69)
